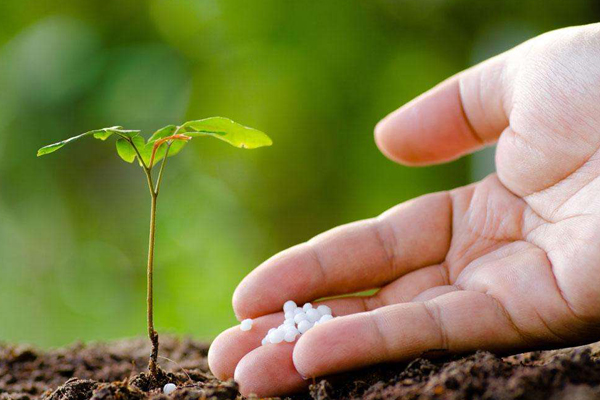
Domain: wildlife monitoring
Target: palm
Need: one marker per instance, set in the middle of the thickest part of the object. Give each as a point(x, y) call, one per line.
point(540, 274)
point(511, 262)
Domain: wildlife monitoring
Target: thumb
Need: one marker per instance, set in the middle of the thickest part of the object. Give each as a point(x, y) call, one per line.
point(539, 99)
point(460, 115)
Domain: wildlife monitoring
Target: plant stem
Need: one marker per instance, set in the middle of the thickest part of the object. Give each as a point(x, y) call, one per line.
point(154, 189)
point(152, 334)
point(162, 167)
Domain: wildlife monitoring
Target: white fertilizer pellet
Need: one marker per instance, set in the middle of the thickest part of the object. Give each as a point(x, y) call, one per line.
point(313, 315)
point(298, 320)
point(324, 310)
point(300, 317)
point(246, 324)
point(325, 318)
point(304, 326)
point(289, 306)
point(292, 329)
point(169, 388)
point(276, 336)
point(290, 336)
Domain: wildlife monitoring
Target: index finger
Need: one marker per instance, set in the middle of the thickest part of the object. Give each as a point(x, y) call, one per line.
point(359, 256)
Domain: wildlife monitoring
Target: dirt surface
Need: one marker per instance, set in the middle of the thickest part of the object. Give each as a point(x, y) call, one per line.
point(114, 371)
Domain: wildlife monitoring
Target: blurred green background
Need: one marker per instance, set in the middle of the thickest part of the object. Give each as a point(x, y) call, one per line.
point(315, 75)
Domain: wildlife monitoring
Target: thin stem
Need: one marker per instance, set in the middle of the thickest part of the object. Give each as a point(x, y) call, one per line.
point(162, 167)
point(137, 152)
point(152, 334)
point(144, 166)
point(154, 190)
point(149, 179)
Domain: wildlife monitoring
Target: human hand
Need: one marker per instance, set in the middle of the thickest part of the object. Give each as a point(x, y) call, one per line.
point(509, 263)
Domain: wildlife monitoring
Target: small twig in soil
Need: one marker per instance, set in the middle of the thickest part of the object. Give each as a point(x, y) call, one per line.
point(179, 365)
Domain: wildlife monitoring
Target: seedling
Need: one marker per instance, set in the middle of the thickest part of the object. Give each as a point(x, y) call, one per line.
point(164, 143)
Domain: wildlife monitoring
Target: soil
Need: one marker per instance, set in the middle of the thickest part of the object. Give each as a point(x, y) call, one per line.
point(114, 371)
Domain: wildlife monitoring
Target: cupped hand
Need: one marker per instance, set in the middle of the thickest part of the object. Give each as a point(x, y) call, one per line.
point(509, 263)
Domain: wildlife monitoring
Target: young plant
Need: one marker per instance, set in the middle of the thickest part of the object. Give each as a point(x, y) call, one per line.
point(164, 143)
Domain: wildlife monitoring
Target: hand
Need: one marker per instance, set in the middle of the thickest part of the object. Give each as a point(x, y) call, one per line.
point(509, 263)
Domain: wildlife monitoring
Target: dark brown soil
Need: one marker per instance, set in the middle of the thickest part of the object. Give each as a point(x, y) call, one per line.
point(114, 372)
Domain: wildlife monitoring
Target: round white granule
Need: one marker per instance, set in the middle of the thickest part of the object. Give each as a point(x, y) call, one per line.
point(324, 310)
point(289, 321)
point(169, 388)
point(271, 330)
point(264, 341)
point(291, 329)
point(304, 326)
point(289, 314)
point(276, 336)
point(307, 307)
point(325, 318)
point(313, 315)
point(298, 310)
point(300, 317)
point(289, 306)
point(290, 336)
point(246, 324)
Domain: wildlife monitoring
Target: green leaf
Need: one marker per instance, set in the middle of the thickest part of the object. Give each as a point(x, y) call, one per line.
point(176, 147)
point(125, 151)
point(101, 134)
point(227, 130)
point(126, 132)
point(51, 148)
point(146, 152)
point(162, 132)
point(105, 133)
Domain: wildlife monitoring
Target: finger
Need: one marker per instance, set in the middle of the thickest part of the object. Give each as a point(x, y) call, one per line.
point(409, 286)
point(269, 371)
point(456, 117)
point(458, 321)
point(351, 258)
point(232, 345)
